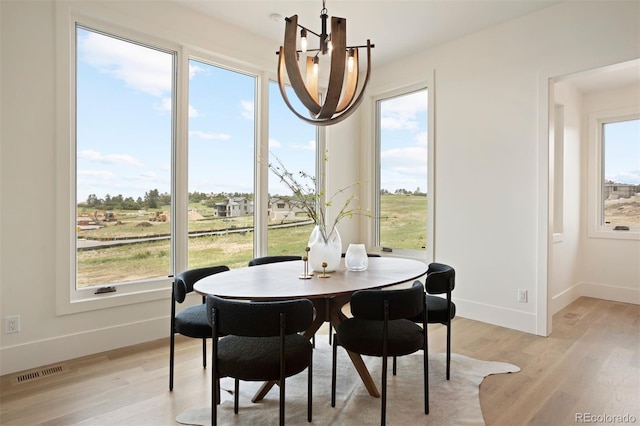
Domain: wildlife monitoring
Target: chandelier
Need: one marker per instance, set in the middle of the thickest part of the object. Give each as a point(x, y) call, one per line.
point(338, 104)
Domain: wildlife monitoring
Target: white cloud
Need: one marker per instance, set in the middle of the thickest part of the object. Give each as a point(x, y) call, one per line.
point(101, 174)
point(400, 157)
point(274, 144)
point(141, 68)
point(400, 112)
point(422, 139)
point(195, 70)
point(630, 177)
point(247, 110)
point(209, 136)
point(193, 112)
point(164, 105)
point(95, 156)
point(309, 146)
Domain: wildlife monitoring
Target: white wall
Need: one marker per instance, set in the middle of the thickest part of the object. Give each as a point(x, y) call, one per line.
point(608, 268)
point(582, 265)
point(566, 245)
point(490, 179)
point(492, 146)
point(28, 178)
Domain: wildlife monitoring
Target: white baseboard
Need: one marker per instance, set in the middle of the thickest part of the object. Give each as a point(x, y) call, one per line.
point(497, 315)
point(62, 348)
point(597, 291)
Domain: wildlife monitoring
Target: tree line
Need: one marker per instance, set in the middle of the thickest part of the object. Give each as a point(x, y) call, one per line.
point(153, 199)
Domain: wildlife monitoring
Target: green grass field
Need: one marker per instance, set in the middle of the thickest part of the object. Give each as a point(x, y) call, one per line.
point(403, 225)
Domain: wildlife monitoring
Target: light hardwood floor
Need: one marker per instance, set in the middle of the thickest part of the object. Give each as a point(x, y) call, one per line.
point(590, 364)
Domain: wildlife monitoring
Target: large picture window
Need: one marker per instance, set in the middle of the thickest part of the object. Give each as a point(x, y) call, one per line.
point(401, 209)
point(165, 167)
point(221, 164)
point(293, 143)
point(124, 135)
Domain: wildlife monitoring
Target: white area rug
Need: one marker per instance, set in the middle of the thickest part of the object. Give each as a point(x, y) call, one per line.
point(454, 402)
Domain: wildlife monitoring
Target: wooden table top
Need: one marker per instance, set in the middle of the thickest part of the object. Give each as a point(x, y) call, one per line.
point(280, 280)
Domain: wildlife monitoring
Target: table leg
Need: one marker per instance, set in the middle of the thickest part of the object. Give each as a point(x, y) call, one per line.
point(321, 317)
point(336, 317)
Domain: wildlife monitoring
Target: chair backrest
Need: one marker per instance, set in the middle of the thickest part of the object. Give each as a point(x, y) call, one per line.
point(272, 259)
point(403, 303)
point(440, 279)
point(258, 319)
point(184, 281)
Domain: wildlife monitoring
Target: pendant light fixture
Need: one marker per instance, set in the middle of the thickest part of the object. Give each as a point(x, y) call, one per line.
point(343, 71)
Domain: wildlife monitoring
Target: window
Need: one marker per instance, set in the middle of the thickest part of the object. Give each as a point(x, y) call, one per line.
point(160, 163)
point(292, 142)
point(220, 164)
point(615, 174)
point(402, 142)
point(124, 136)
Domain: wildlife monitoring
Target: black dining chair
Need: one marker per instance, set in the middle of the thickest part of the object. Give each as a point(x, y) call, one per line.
point(441, 279)
point(381, 326)
point(343, 255)
point(190, 321)
point(276, 259)
point(261, 343)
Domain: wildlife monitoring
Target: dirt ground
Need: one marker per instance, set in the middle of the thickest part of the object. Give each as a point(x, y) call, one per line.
point(623, 211)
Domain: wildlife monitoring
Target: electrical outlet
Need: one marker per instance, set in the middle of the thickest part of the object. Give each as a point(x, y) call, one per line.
point(12, 324)
point(522, 295)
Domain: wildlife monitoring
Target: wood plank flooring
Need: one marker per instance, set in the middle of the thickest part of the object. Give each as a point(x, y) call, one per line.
point(590, 365)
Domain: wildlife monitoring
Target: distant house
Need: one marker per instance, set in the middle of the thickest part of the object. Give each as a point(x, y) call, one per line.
point(613, 191)
point(234, 207)
point(280, 209)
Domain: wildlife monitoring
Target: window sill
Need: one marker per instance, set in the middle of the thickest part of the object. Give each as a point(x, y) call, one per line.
point(615, 235)
point(76, 301)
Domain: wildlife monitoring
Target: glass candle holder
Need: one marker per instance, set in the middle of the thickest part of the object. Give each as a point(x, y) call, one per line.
point(356, 258)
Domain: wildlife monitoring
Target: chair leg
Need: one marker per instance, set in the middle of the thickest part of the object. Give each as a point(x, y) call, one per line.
point(310, 387)
point(394, 368)
point(448, 348)
point(236, 395)
point(215, 395)
point(282, 396)
point(425, 370)
point(383, 416)
point(333, 373)
point(204, 353)
point(330, 332)
point(171, 355)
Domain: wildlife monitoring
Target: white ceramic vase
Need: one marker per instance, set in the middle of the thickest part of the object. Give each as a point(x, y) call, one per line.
point(356, 258)
point(321, 251)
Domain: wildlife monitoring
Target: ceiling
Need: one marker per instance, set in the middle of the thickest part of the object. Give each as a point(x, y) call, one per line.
point(397, 28)
point(610, 77)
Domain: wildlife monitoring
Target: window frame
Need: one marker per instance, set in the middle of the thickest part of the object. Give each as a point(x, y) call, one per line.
point(596, 227)
point(70, 300)
point(429, 253)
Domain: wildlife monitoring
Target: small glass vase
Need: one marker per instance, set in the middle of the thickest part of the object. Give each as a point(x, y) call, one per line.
point(356, 258)
point(322, 251)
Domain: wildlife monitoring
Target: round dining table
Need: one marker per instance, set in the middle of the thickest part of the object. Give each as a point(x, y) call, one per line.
point(328, 292)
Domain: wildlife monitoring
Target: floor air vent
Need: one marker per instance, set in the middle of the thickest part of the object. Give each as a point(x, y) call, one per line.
point(38, 374)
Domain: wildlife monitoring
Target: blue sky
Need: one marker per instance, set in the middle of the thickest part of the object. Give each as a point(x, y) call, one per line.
point(622, 152)
point(124, 128)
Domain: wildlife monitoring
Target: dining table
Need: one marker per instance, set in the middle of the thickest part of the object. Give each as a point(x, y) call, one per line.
point(329, 292)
